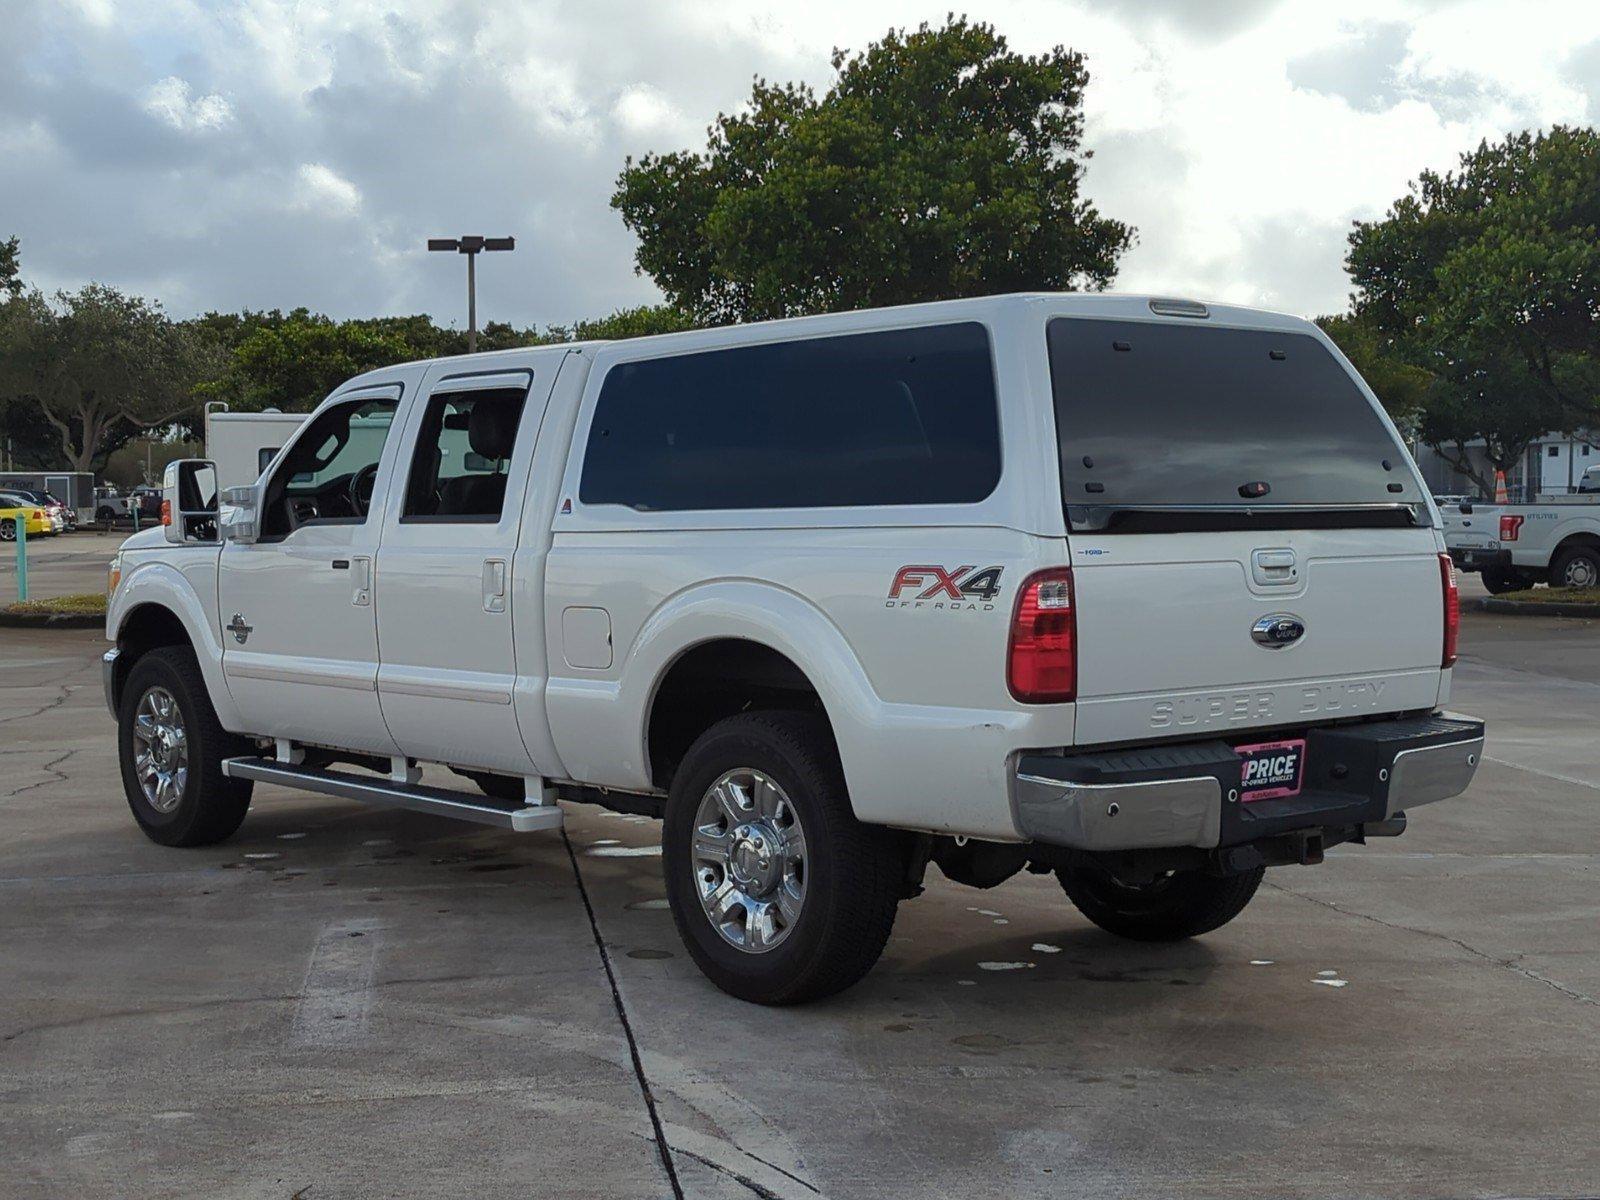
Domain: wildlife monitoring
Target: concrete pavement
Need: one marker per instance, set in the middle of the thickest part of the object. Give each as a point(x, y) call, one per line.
point(350, 1002)
point(60, 566)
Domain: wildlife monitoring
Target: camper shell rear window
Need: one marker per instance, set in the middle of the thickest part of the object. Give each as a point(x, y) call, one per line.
point(1162, 426)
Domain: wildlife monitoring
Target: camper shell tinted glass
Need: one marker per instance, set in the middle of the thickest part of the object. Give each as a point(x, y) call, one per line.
point(905, 416)
point(1167, 427)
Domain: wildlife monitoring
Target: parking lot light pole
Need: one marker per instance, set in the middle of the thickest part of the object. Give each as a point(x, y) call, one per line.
point(472, 246)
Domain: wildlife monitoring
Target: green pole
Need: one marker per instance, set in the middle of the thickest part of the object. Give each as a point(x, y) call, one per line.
point(22, 557)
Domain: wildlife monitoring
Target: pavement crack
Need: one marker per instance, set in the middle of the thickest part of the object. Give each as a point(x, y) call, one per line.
point(60, 776)
point(662, 1148)
point(1509, 964)
point(66, 694)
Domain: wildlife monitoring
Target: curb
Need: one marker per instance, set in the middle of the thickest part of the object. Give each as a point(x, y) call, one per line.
point(1522, 608)
point(9, 620)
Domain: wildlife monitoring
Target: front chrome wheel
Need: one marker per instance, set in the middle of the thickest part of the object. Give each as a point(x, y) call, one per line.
point(160, 749)
point(749, 860)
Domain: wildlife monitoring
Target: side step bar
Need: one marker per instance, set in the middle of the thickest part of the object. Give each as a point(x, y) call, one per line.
point(413, 796)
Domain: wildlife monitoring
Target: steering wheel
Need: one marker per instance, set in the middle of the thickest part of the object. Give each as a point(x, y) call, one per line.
point(359, 489)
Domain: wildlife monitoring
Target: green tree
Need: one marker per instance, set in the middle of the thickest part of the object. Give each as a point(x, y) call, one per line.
point(938, 164)
point(294, 363)
point(643, 321)
point(10, 270)
point(1488, 278)
point(126, 465)
point(97, 363)
point(1401, 387)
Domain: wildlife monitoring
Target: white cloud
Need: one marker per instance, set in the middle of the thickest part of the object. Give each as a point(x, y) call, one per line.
point(643, 109)
point(324, 188)
point(171, 101)
point(1241, 138)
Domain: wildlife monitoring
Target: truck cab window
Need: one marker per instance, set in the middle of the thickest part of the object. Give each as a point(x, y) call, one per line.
point(327, 476)
point(458, 471)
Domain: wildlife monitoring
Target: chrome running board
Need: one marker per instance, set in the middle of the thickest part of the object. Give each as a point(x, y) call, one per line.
point(416, 797)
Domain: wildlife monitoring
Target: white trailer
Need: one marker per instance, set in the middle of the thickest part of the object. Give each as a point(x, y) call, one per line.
point(242, 444)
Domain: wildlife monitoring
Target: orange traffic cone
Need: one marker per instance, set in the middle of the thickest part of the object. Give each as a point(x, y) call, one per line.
point(1500, 494)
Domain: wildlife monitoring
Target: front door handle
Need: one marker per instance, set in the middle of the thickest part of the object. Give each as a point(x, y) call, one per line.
point(494, 585)
point(361, 581)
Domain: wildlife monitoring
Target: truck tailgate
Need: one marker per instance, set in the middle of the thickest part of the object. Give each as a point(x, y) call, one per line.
point(1165, 630)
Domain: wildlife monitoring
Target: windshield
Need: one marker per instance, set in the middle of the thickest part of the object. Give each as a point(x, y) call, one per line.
point(1165, 426)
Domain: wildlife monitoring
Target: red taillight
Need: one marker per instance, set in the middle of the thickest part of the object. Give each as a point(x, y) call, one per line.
point(1042, 662)
point(1510, 526)
point(166, 512)
point(1452, 610)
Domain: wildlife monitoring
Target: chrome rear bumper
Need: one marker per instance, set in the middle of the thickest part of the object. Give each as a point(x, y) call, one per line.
point(1188, 795)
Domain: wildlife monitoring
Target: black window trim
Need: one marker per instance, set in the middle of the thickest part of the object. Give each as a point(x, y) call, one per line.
point(467, 381)
point(366, 394)
point(695, 517)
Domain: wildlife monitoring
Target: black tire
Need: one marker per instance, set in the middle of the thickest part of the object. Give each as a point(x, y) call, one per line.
point(1583, 561)
point(210, 806)
point(853, 873)
point(8, 530)
point(1498, 580)
point(1182, 904)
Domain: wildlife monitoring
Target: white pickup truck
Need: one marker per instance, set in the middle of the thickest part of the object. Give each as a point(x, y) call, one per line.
point(1135, 591)
point(1555, 540)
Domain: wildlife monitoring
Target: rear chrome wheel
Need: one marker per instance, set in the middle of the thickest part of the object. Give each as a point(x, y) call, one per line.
point(779, 893)
point(749, 853)
point(160, 749)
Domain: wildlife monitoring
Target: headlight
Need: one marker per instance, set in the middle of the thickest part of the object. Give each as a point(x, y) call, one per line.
point(115, 576)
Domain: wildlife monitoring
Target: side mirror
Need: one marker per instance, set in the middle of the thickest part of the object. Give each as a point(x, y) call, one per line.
point(239, 523)
point(1466, 508)
point(189, 500)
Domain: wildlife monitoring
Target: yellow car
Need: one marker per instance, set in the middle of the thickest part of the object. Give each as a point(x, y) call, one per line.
point(37, 520)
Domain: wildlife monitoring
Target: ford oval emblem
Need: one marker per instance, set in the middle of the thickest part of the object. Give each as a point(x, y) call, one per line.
point(1277, 630)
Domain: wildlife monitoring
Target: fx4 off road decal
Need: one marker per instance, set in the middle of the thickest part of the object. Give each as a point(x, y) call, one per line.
point(958, 589)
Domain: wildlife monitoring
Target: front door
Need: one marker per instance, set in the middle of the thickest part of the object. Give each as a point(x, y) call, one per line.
point(448, 672)
point(299, 631)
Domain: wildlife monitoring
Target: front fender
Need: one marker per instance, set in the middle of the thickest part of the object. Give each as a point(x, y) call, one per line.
point(181, 589)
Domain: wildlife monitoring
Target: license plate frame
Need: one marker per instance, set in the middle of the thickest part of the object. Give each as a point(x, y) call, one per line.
point(1276, 779)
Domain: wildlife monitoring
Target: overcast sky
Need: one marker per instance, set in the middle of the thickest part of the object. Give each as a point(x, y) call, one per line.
point(273, 153)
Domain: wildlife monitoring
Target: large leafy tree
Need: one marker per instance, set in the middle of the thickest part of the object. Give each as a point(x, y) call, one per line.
point(1488, 278)
point(939, 163)
point(293, 365)
point(97, 363)
point(1402, 387)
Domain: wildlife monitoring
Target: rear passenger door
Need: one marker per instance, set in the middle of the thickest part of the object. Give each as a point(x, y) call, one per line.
point(447, 661)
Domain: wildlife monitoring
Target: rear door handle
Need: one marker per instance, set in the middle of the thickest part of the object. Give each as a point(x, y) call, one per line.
point(494, 585)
